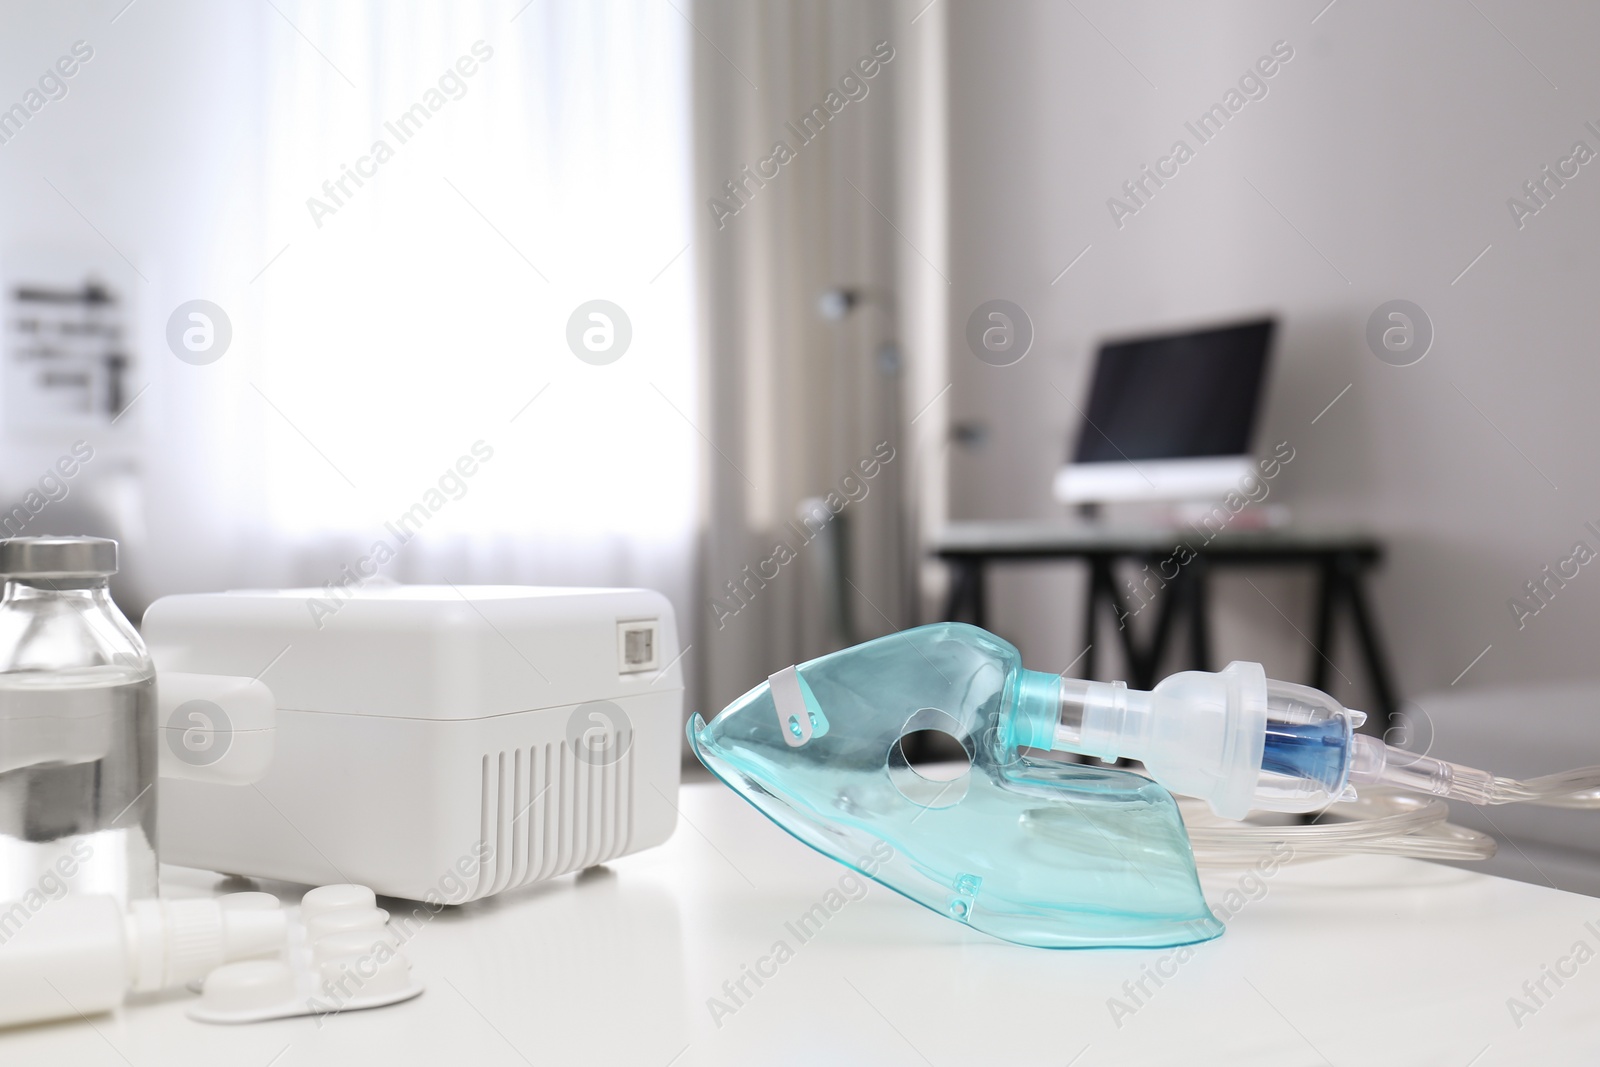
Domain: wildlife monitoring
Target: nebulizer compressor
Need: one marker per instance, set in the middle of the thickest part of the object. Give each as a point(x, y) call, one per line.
point(1032, 847)
point(406, 743)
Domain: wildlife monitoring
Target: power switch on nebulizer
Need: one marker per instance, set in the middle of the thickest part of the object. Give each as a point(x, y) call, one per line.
point(638, 646)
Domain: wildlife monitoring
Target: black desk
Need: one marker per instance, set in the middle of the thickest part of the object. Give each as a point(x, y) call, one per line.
point(1176, 583)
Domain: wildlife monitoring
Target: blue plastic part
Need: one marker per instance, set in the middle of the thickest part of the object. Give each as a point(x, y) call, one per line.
point(1031, 850)
point(1317, 751)
point(1038, 706)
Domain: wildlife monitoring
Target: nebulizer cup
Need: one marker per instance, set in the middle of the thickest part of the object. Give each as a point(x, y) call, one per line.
point(1234, 738)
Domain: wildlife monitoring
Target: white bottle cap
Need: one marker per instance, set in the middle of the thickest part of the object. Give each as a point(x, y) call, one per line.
point(250, 901)
point(171, 942)
point(245, 987)
point(330, 898)
point(350, 919)
point(347, 943)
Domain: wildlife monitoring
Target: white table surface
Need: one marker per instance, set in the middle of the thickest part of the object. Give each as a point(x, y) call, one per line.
point(1350, 961)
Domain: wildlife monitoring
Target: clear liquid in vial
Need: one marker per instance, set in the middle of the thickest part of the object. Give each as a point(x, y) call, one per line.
point(77, 787)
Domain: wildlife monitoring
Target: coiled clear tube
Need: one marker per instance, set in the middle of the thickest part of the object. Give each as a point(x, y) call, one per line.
point(1389, 819)
point(1381, 822)
point(1242, 742)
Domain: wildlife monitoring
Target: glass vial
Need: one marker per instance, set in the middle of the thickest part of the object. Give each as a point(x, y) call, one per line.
point(77, 730)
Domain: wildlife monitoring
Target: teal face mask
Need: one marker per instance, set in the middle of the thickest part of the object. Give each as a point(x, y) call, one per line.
point(1028, 849)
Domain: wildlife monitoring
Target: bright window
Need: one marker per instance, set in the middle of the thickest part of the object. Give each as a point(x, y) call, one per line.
point(446, 185)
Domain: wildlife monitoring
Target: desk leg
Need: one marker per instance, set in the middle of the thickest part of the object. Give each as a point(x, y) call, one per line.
point(1139, 666)
point(1371, 646)
point(958, 590)
point(1091, 606)
point(1328, 581)
point(980, 596)
point(1174, 599)
point(1199, 582)
point(966, 591)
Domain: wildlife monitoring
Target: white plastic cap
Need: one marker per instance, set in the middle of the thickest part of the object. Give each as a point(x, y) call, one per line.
point(358, 920)
point(344, 944)
point(245, 987)
point(330, 898)
point(171, 942)
point(250, 901)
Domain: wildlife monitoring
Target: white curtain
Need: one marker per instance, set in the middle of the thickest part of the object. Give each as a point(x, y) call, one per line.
point(441, 188)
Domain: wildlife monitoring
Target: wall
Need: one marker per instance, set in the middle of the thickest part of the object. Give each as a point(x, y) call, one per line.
point(130, 174)
point(1378, 166)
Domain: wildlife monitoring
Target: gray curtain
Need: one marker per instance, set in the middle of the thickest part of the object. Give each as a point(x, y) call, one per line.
point(800, 109)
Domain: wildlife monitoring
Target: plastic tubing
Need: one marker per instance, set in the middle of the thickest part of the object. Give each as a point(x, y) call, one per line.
point(1371, 761)
point(1577, 788)
point(1389, 819)
point(1381, 822)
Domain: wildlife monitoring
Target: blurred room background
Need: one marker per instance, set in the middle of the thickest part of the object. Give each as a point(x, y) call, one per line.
point(793, 314)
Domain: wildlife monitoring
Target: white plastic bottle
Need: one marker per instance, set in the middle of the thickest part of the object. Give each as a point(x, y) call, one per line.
point(83, 955)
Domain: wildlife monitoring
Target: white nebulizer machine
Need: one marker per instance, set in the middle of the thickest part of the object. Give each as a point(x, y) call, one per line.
point(426, 741)
point(435, 743)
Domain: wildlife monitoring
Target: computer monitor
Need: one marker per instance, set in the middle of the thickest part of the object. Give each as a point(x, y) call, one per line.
point(1169, 417)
